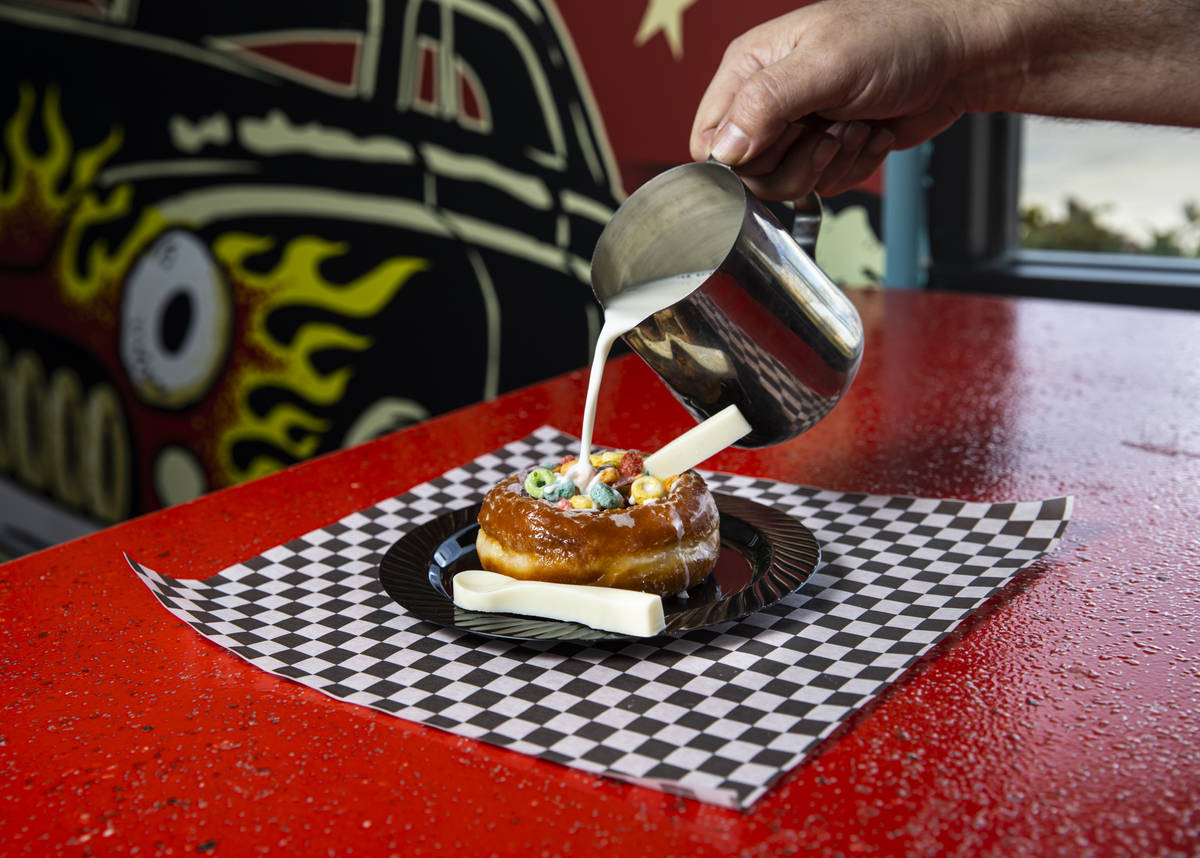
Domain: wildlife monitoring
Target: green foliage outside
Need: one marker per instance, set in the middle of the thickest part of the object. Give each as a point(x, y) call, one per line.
point(1080, 229)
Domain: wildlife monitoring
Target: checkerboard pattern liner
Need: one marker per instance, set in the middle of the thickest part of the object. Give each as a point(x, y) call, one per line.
point(716, 715)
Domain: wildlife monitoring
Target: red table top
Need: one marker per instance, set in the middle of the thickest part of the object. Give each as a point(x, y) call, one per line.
point(1061, 719)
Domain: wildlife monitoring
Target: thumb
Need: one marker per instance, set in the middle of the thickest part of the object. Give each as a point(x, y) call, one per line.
point(765, 104)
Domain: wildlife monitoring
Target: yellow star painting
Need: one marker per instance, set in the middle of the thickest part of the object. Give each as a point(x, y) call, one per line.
point(666, 17)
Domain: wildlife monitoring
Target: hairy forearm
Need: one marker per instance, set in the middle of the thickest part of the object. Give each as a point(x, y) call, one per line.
point(1132, 60)
point(818, 96)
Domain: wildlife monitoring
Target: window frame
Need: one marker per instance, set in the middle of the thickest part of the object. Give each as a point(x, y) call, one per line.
point(972, 196)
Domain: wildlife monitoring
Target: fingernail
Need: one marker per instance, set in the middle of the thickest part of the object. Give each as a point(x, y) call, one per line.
point(730, 144)
point(827, 147)
point(880, 142)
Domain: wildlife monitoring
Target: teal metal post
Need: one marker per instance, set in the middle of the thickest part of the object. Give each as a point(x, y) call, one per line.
point(905, 231)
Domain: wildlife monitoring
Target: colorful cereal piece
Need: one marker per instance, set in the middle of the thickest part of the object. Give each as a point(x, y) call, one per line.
point(560, 490)
point(611, 457)
point(646, 488)
point(537, 481)
point(563, 504)
point(608, 475)
point(605, 496)
point(632, 464)
point(582, 502)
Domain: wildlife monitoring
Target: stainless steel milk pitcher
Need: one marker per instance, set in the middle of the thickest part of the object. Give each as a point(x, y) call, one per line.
point(765, 330)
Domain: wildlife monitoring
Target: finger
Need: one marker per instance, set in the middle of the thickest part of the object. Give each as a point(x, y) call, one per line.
point(713, 106)
point(768, 160)
point(740, 62)
point(900, 133)
point(798, 171)
point(790, 89)
point(853, 136)
point(868, 160)
point(700, 144)
point(918, 127)
point(756, 117)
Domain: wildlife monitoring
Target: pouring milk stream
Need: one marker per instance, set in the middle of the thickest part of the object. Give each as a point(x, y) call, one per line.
point(623, 313)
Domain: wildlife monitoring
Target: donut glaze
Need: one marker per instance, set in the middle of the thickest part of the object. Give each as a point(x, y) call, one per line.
point(664, 546)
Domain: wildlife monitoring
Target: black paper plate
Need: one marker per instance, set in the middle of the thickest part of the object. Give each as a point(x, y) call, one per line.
point(764, 556)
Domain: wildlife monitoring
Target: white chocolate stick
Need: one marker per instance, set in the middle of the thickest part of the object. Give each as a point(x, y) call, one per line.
point(623, 611)
point(698, 443)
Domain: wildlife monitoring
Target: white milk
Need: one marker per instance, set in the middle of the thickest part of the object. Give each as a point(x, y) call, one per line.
point(624, 313)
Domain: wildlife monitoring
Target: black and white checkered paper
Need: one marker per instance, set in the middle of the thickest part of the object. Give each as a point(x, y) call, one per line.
point(716, 715)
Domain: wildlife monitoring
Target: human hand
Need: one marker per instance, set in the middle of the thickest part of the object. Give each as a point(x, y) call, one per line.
point(818, 97)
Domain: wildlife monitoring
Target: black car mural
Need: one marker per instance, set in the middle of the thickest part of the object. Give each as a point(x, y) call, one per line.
point(257, 232)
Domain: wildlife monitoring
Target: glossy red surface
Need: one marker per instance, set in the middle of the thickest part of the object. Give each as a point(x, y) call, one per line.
point(1063, 719)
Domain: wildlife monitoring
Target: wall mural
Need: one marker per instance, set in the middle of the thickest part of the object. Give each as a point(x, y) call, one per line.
point(237, 235)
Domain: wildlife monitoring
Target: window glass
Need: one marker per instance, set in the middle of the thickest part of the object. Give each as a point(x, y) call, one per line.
point(1109, 187)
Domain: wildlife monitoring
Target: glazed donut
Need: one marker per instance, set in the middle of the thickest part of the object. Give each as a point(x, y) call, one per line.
point(665, 545)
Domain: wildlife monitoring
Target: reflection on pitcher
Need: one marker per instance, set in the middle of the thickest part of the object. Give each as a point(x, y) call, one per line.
point(765, 329)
